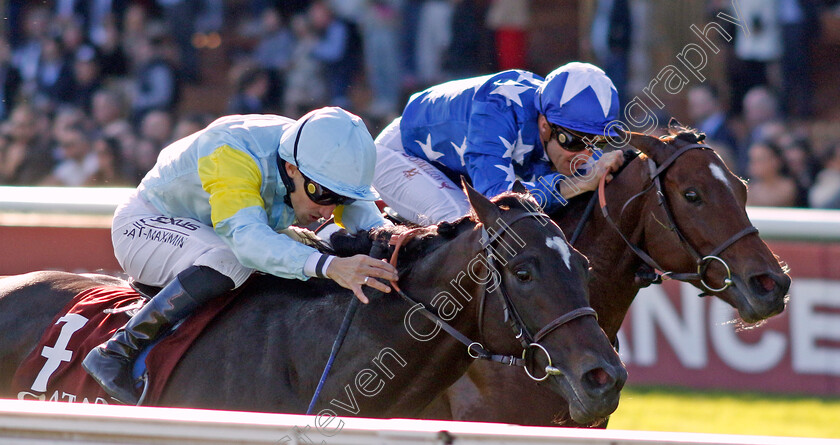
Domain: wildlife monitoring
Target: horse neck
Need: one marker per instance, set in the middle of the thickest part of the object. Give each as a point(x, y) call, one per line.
point(440, 280)
point(614, 264)
point(439, 361)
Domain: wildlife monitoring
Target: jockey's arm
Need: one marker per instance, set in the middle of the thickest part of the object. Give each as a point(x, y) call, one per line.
point(233, 180)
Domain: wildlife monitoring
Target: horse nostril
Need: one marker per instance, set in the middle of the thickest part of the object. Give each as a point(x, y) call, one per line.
point(766, 283)
point(598, 378)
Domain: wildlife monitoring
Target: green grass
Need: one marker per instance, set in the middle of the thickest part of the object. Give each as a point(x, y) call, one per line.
point(657, 409)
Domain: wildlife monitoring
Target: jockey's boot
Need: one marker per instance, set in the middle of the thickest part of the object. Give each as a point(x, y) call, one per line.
point(111, 363)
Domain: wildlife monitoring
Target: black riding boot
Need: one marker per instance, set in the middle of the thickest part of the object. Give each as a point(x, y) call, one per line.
point(110, 363)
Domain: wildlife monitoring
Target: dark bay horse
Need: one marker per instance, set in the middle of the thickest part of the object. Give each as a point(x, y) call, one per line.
point(266, 350)
point(708, 217)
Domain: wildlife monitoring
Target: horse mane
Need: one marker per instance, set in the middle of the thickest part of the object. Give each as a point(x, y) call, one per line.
point(428, 240)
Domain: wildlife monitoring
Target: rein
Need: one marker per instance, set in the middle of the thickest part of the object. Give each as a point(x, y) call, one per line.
point(512, 317)
point(702, 262)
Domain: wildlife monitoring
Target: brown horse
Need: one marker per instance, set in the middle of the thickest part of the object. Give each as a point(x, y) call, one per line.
point(266, 350)
point(696, 209)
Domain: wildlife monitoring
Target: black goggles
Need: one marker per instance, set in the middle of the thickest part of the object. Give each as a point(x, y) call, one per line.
point(574, 142)
point(316, 192)
point(323, 196)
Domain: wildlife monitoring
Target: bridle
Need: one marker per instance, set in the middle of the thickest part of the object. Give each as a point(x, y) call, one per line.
point(528, 341)
point(702, 261)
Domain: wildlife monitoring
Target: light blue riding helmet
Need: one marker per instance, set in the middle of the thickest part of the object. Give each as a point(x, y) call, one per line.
point(579, 96)
point(335, 149)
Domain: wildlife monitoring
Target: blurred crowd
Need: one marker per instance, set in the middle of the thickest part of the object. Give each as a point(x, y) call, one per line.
point(765, 131)
point(92, 90)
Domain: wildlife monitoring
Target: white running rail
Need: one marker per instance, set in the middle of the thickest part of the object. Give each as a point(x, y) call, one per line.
point(32, 422)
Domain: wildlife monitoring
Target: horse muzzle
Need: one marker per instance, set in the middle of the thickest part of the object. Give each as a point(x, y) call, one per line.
point(760, 296)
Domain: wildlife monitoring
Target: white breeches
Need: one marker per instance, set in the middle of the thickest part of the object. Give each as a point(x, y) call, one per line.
point(153, 248)
point(416, 189)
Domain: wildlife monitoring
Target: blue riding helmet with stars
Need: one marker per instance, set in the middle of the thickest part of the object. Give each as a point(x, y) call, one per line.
point(579, 96)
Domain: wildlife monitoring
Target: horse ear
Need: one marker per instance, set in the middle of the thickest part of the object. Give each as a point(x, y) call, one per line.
point(674, 123)
point(650, 145)
point(483, 207)
point(518, 187)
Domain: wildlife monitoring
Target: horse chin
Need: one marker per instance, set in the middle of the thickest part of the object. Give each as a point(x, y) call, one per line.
point(753, 308)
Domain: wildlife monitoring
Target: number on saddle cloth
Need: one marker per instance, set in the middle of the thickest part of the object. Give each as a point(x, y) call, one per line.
point(53, 370)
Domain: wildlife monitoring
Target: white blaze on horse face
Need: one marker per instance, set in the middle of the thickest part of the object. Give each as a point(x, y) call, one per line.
point(718, 173)
point(559, 244)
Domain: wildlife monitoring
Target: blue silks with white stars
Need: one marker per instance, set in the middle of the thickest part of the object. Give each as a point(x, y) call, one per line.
point(484, 128)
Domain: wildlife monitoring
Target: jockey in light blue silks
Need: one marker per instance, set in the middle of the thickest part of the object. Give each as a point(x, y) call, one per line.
point(208, 214)
point(493, 130)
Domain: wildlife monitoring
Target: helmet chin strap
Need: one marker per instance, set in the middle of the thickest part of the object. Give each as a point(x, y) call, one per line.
point(281, 167)
point(287, 181)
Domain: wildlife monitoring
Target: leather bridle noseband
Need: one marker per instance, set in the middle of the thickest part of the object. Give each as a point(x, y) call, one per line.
point(512, 317)
point(702, 261)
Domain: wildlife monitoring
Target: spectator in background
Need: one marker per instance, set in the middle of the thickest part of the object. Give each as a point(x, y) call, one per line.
point(802, 164)
point(189, 124)
point(10, 80)
point(770, 181)
point(306, 87)
point(157, 128)
point(145, 154)
point(87, 78)
point(109, 162)
point(72, 37)
point(434, 33)
point(509, 20)
point(761, 107)
point(54, 77)
point(26, 56)
point(754, 50)
point(800, 25)
point(380, 34)
point(26, 158)
point(78, 163)
point(273, 52)
point(154, 80)
point(611, 39)
point(468, 54)
point(825, 193)
point(708, 116)
point(96, 15)
point(67, 118)
point(408, 43)
point(252, 88)
point(110, 52)
point(181, 18)
point(135, 25)
point(109, 110)
point(331, 48)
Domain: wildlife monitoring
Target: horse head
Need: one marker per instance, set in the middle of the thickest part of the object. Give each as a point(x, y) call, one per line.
point(548, 311)
point(709, 240)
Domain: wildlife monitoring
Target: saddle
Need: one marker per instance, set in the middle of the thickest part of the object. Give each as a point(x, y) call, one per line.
point(53, 371)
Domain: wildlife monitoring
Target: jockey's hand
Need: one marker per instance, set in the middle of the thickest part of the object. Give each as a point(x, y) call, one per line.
point(608, 163)
point(353, 272)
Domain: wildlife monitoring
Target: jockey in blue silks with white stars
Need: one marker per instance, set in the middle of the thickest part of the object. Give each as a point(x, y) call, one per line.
point(211, 212)
point(493, 130)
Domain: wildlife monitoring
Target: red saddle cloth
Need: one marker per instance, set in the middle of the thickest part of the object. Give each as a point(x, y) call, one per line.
point(53, 371)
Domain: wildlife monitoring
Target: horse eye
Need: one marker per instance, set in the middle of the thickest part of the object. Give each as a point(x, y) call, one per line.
point(692, 196)
point(523, 275)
